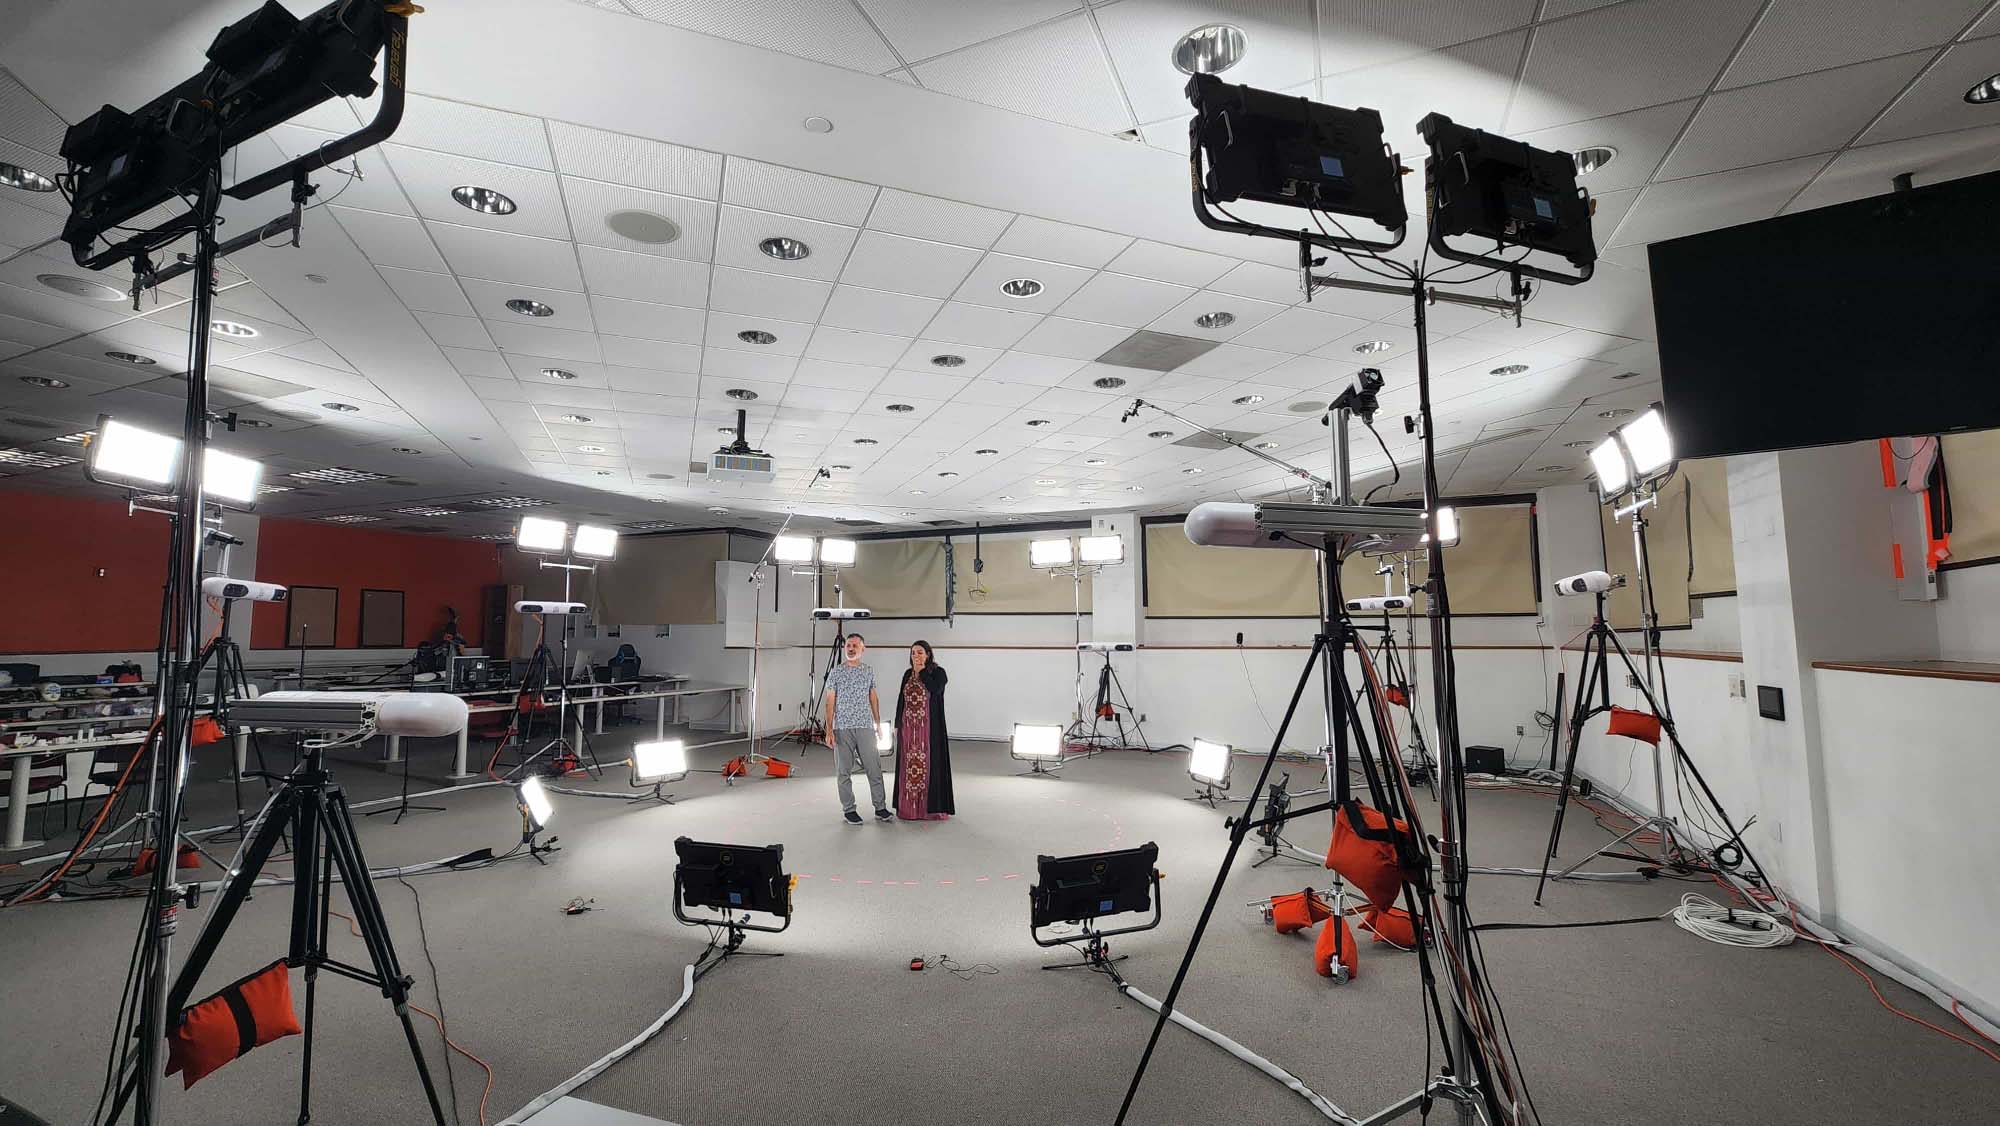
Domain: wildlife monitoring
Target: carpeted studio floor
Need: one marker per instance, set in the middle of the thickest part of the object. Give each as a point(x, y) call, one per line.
point(1634, 1024)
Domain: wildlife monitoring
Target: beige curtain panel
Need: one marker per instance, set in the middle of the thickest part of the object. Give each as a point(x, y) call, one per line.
point(1666, 551)
point(1707, 482)
point(1187, 581)
point(894, 579)
point(659, 580)
point(1491, 570)
point(1972, 468)
point(1007, 584)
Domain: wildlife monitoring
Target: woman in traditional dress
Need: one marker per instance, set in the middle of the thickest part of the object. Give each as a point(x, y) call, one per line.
point(923, 751)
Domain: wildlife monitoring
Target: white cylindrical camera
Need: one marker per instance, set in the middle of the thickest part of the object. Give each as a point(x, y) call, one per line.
point(222, 586)
point(1381, 603)
point(1590, 582)
point(562, 609)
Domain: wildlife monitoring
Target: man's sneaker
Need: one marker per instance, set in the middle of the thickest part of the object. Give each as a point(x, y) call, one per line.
point(853, 818)
point(881, 815)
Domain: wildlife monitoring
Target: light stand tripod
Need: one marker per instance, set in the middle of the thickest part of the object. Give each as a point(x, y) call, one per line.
point(1111, 703)
point(567, 755)
point(232, 682)
point(314, 812)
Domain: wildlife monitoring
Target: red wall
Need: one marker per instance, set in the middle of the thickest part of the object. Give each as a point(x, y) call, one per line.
point(51, 547)
point(432, 572)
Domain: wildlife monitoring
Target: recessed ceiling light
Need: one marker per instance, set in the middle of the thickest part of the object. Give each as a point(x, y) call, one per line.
point(1615, 412)
point(343, 408)
point(840, 468)
point(253, 423)
point(1986, 93)
point(337, 475)
point(1267, 445)
point(743, 394)
point(900, 408)
point(44, 381)
point(718, 510)
point(563, 374)
point(1509, 369)
point(1209, 49)
point(427, 510)
point(529, 307)
point(906, 512)
point(1135, 488)
point(404, 450)
point(1370, 347)
point(1003, 496)
point(643, 226)
point(1045, 482)
point(949, 473)
point(80, 287)
point(1038, 422)
point(580, 419)
point(486, 201)
point(590, 449)
point(1108, 382)
point(316, 279)
point(1159, 434)
point(1553, 469)
point(36, 459)
point(817, 124)
point(605, 473)
point(1247, 400)
point(1577, 445)
point(350, 519)
point(26, 179)
point(661, 476)
point(1192, 471)
point(784, 249)
point(948, 360)
point(1626, 375)
point(725, 430)
point(986, 452)
point(1215, 320)
point(1593, 158)
point(231, 328)
point(133, 358)
point(1021, 287)
point(918, 493)
point(866, 442)
point(756, 336)
point(1095, 461)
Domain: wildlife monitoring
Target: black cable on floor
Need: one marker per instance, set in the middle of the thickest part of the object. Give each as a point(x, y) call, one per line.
point(437, 990)
point(1567, 926)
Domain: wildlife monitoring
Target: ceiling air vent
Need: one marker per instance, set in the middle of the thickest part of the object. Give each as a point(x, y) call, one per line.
point(857, 522)
point(940, 523)
point(1205, 441)
point(1156, 351)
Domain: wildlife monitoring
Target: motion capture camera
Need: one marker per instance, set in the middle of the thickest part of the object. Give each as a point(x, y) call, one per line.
point(1359, 397)
point(222, 586)
point(826, 613)
point(1381, 604)
point(1590, 582)
point(554, 609)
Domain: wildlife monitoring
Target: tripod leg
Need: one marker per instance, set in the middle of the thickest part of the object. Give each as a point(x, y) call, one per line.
point(314, 902)
point(345, 851)
point(1577, 718)
point(228, 902)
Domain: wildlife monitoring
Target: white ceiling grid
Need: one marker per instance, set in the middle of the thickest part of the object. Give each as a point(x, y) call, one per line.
point(1723, 111)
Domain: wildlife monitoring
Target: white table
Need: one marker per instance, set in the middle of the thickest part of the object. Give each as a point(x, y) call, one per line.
point(682, 690)
point(16, 833)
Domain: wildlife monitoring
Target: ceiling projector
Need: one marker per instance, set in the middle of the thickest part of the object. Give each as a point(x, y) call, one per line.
point(737, 461)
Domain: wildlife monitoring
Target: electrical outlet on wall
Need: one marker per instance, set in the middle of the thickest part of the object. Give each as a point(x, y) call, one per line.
point(1736, 686)
point(1520, 729)
point(1631, 681)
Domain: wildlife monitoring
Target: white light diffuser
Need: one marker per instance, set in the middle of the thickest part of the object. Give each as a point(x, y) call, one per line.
point(664, 761)
point(1447, 527)
point(1037, 742)
point(1049, 553)
point(229, 479)
point(885, 736)
point(535, 800)
point(125, 454)
point(594, 541)
point(1208, 763)
point(539, 533)
point(836, 553)
point(792, 549)
point(1101, 549)
point(1647, 441)
point(1613, 475)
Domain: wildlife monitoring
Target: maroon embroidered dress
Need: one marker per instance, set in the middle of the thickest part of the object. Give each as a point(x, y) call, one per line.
point(914, 779)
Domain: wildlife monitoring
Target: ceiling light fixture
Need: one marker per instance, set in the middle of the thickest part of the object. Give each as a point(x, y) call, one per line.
point(1192, 471)
point(1247, 400)
point(563, 374)
point(918, 493)
point(232, 328)
point(486, 201)
point(1045, 482)
point(580, 419)
point(784, 249)
point(1267, 445)
point(1210, 49)
point(1108, 382)
point(1626, 375)
point(1591, 159)
point(1509, 369)
point(899, 408)
point(427, 510)
point(1135, 488)
point(133, 358)
point(948, 473)
point(1986, 93)
point(1021, 287)
point(643, 226)
point(1576, 445)
point(1159, 434)
point(81, 287)
point(1615, 412)
point(857, 441)
point(26, 179)
point(986, 452)
point(756, 336)
point(404, 450)
point(528, 307)
point(343, 408)
point(1096, 461)
point(1038, 422)
point(1003, 496)
point(1553, 469)
point(948, 360)
point(718, 510)
point(1215, 320)
point(837, 468)
point(48, 382)
point(1370, 347)
point(741, 394)
point(590, 449)
point(253, 423)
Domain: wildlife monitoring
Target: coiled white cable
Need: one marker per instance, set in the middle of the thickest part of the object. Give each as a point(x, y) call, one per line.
point(1730, 926)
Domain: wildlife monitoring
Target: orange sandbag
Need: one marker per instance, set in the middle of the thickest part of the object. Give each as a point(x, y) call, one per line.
point(1635, 725)
point(777, 768)
point(1392, 925)
point(1295, 911)
point(736, 767)
point(1397, 695)
point(1363, 851)
point(1323, 950)
point(207, 729)
point(241, 1016)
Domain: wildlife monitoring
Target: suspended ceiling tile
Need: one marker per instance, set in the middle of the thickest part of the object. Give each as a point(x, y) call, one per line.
point(1791, 117)
point(789, 191)
point(1058, 282)
point(1469, 83)
point(851, 346)
point(1274, 284)
point(1055, 71)
point(984, 325)
point(592, 203)
point(1174, 264)
point(475, 131)
point(1072, 339)
point(1704, 203)
point(648, 321)
point(1797, 36)
point(1246, 313)
point(875, 310)
point(767, 295)
point(906, 265)
point(518, 336)
point(741, 231)
point(475, 252)
point(378, 189)
point(1299, 330)
point(939, 220)
point(1625, 56)
point(827, 31)
point(427, 292)
point(571, 310)
point(665, 355)
point(1862, 172)
point(390, 240)
point(1641, 138)
point(1358, 33)
point(1936, 102)
point(1141, 35)
point(1031, 237)
point(644, 277)
point(1118, 299)
point(429, 177)
point(616, 158)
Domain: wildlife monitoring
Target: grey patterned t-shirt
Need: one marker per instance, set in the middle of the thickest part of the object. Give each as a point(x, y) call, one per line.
point(849, 685)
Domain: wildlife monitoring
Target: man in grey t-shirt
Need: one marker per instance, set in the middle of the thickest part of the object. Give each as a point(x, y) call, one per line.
point(852, 714)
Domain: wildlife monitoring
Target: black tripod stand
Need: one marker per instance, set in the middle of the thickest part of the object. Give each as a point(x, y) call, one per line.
point(232, 682)
point(315, 813)
point(1677, 849)
point(1105, 707)
point(534, 681)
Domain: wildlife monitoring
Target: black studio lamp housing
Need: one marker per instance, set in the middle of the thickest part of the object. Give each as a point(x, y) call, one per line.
point(1494, 187)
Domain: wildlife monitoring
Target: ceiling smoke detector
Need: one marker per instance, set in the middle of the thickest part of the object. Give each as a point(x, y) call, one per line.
point(1021, 287)
point(528, 307)
point(486, 201)
point(784, 249)
point(1593, 158)
point(1210, 49)
point(643, 226)
point(756, 336)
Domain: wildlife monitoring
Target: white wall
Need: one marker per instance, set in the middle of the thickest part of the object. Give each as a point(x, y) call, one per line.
point(1968, 613)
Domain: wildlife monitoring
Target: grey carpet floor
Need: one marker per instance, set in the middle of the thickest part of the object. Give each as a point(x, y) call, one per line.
point(1638, 1024)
